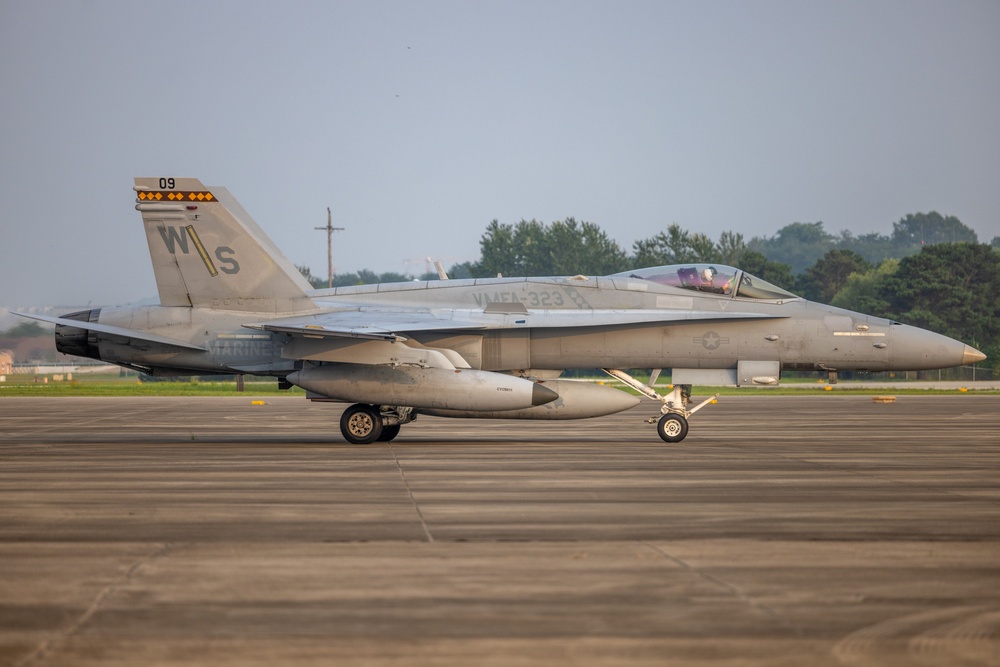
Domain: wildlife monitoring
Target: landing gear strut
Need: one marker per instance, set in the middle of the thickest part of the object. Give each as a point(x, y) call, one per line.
point(672, 426)
point(363, 424)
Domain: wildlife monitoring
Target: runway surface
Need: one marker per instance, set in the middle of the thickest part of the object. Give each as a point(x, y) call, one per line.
point(820, 530)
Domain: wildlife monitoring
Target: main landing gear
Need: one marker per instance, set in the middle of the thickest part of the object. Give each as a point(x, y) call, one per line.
point(672, 426)
point(363, 424)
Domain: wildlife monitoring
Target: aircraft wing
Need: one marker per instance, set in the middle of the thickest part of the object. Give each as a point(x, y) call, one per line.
point(393, 325)
point(133, 334)
point(369, 324)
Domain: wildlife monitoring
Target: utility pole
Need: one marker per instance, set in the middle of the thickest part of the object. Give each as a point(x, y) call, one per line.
point(330, 229)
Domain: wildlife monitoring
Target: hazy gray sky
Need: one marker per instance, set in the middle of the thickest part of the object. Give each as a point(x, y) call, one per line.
point(419, 122)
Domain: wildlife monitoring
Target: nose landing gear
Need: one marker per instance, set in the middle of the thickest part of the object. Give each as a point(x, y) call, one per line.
point(672, 426)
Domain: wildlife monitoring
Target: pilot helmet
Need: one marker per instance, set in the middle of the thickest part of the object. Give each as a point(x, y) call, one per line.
point(708, 274)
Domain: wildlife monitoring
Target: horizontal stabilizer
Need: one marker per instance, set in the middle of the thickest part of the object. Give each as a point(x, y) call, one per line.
point(116, 331)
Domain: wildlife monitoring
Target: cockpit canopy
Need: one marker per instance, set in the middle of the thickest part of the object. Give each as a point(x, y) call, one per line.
point(710, 278)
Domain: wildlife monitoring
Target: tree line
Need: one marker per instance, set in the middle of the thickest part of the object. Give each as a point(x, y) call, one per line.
point(930, 271)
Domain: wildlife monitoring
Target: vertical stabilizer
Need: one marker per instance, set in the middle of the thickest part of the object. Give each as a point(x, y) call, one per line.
point(208, 252)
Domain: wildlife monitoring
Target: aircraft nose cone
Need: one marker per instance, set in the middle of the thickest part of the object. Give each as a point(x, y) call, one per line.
point(915, 349)
point(972, 356)
point(541, 395)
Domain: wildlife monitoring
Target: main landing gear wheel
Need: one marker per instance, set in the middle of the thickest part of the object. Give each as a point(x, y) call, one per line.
point(672, 427)
point(389, 432)
point(361, 424)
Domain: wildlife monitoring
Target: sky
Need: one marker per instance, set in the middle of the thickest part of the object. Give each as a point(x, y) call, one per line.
point(418, 123)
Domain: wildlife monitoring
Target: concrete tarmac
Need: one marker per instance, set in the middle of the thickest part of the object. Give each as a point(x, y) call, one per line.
point(786, 530)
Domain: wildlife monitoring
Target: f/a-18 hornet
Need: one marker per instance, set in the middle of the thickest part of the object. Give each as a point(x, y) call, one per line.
point(231, 302)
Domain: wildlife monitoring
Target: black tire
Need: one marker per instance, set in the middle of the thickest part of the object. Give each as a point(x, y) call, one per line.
point(389, 432)
point(672, 427)
point(361, 424)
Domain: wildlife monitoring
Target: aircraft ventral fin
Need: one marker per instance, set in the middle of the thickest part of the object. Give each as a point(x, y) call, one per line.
point(116, 331)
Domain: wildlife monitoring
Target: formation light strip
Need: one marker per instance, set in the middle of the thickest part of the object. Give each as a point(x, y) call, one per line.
point(159, 195)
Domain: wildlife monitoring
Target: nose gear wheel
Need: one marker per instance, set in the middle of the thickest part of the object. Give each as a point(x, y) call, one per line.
point(672, 427)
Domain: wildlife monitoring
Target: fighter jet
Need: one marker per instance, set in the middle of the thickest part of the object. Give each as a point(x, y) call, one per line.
point(495, 348)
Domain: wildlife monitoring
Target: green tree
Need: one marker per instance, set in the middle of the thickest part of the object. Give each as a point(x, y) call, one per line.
point(731, 248)
point(676, 246)
point(663, 248)
point(950, 288)
point(874, 247)
point(776, 273)
point(861, 290)
point(923, 229)
point(829, 274)
point(362, 277)
point(798, 245)
point(497, 250)
point(531, 252)
point(315, 281)
point(462, 271)
point(511, 250)
point(703, 248)
point(581, 248)
point(531, 248)
point(26, 330)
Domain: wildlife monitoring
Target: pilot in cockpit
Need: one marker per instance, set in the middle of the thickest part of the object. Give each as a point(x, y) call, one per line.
point(712, 281)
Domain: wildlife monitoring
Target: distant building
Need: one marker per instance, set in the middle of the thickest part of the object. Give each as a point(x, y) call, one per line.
point(6, 362)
